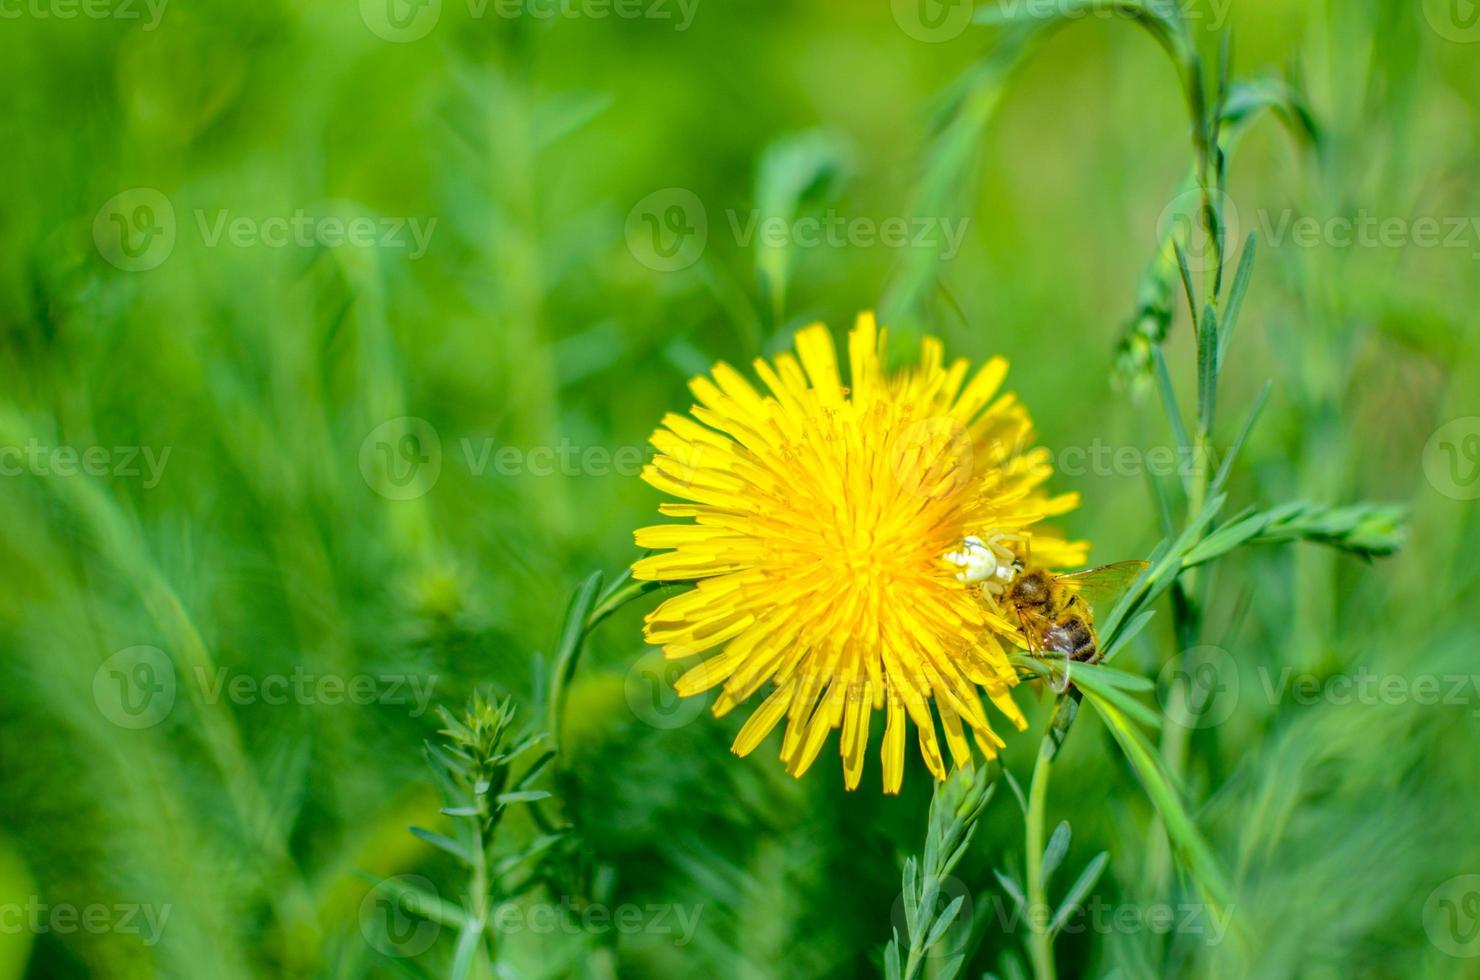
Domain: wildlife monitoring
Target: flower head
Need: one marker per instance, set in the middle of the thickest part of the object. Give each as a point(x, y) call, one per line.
point(837, 538)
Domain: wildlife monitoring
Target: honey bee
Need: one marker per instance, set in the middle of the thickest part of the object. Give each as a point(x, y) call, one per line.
point(1055, 612)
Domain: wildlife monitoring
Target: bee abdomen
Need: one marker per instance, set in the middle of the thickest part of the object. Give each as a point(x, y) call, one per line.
point(1071, 637)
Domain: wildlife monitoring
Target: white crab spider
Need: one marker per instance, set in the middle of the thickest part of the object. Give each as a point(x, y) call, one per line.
point(987, 561)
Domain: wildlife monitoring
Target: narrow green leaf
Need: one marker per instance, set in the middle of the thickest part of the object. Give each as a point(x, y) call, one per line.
point(947, 918)
point(1127, 634)
point(929, 893)
point(1163, 27)
point(1017, 790)
point(1238, 444)
point(1207, 371)
point(951, 967)
point(461, 811)
point(536, 847)
point(419, 902)
point(798, 173)
point(1119, 679)
point(1058, 846)
point(892, 968)
point(572, 638)
point(911, 896)
point(445, 843)
point(1165, 569)
point(1169, 402)
point(1014, 890)
point(1188, 289)
point(1012, 967)
point(1187, 842)
point(1227, 537)
point(1131, 598)
point(566, 113)
point(533, 772)
point(1090, 678)
point(466, 950)
point(1081, 887)
point(1235, 302)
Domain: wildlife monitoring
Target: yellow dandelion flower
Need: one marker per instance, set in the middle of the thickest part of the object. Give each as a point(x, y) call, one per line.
point(826, 547)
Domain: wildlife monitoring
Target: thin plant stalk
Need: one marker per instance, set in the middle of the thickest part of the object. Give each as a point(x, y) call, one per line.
point(1039, 914)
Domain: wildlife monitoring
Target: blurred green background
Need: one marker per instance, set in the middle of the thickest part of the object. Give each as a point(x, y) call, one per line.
point(242, 244)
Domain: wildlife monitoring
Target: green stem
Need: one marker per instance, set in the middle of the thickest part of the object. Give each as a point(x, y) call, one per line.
point(1040, 940)
point(480, 896)
point(587, 611)
point(621, 592)
point(912, 965)
point(1040, 943)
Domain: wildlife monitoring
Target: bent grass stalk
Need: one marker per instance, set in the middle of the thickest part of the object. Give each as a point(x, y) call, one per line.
point(1363, 529)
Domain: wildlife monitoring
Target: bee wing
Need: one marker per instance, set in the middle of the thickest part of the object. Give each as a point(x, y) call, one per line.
point(1102, 585)
point(1032, 628)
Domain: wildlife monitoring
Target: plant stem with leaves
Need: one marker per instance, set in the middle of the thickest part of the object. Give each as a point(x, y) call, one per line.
point(954, 811)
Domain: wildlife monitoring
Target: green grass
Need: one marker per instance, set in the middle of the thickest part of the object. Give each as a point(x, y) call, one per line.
point(264, 544)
